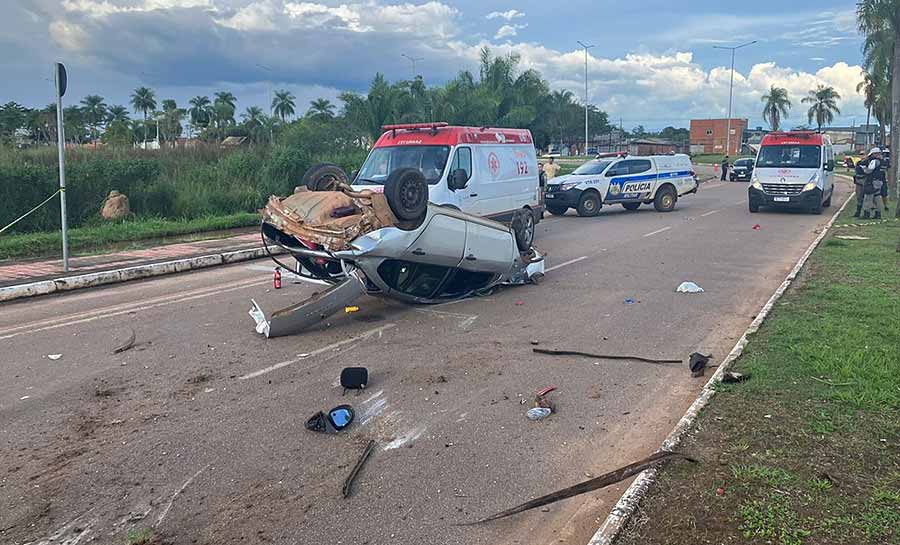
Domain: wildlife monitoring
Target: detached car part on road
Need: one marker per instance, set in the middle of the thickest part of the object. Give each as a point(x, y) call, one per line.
point(393, 244)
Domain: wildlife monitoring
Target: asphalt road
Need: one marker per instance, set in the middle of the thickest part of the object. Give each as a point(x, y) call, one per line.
point(199, 429)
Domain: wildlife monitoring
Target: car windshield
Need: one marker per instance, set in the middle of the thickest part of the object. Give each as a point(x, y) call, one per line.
point(789, 156)
point(592, 167)
point(743, 162)
point(431, 160)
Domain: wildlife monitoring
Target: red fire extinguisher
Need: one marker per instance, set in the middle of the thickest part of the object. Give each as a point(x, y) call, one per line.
point(277, 278)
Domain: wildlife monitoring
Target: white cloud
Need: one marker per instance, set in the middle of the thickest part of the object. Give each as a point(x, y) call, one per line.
point(508, 31)
point(508, 15)
point(103, 8)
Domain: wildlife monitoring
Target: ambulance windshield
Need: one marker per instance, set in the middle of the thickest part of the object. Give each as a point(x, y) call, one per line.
point(789, 156)
point(430, 160)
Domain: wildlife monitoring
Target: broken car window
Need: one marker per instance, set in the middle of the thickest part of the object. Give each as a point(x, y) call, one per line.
point(416, 279)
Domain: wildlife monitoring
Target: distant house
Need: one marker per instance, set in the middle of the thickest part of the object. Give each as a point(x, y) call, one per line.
point(853, 139)
point(233, 141)
point(712, 135)
point(651, 146)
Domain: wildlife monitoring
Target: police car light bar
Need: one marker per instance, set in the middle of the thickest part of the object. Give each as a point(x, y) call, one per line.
point(413, 126)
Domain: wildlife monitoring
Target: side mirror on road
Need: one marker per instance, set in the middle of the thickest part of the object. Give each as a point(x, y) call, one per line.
point(457, 179)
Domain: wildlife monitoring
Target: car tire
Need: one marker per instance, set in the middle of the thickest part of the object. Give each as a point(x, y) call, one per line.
point(816, 209)
point(631, 205)
point(589, 204)
point(523, 228)
point(665, 199)
point(324, 177)
point(406, 192)
point(827, 202)
point(754, 208)
point(557, 210)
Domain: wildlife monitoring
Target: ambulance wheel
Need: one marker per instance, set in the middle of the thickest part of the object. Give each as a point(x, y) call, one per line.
point(631, 205)
point(665, 199)
point(588, 205)
point(557, 210)
point(406, 192)
point(816, 209)
point(827, 202)
point(523, 229)
point(324, 177)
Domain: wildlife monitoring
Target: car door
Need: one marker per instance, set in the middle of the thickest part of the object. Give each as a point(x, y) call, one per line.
point(489, 248)
point(441, 241)
point(614, 176)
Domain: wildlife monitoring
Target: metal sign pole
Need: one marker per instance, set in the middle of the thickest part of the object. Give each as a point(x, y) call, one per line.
point(60, 77)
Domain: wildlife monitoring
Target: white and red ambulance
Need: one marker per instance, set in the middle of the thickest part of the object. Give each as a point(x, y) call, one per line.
point(795, 169)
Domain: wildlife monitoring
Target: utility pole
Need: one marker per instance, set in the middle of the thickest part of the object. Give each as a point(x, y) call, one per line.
point(586, 47)
point(413, 60)
point(61, 80)
point(269, 90)
point(731, 91)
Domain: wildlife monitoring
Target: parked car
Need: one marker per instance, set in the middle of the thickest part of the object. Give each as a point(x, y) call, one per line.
point(393, 244)
point(627, 180)
point(489, 172)
point(793, 169)
point(742, 170)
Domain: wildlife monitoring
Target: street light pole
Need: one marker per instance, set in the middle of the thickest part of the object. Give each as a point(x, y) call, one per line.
point(413, 60)
point(586, 47)
point(731, 91)
point(269, 90)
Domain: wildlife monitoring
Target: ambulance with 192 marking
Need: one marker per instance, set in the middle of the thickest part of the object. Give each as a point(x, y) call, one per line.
point(621, 179)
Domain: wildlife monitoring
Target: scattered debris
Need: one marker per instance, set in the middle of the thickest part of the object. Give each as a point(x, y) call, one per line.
point(538, 413)
point(127, 345)
point(851, 237)
point(23, 398)
point(698, 363)
point(720, 491)
point(354, 378)
point(336, 420)
point(54, 357)
point(629, 301)
point(541, 400)
point(351, 309)
point(757, 227)
point(601, 356)
point(348, 482)
point(596, 483)
point(828, 382)
point(535, 343)
point(730, 377)
point(688, 287)
point(519, 303)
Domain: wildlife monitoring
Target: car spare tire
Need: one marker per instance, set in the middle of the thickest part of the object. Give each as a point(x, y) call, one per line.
point(406, 192)
point(324, 177)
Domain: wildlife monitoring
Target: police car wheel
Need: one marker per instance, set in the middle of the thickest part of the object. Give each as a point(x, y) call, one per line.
point(558, 210)
point(588, 205)
point(631, 205)
point(665, 199)
point(324, 177)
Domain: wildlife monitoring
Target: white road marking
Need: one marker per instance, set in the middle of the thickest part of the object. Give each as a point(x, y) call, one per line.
point(566, 263)
point(275, 367)
point(118, 310)
point(658, 231)
point(710, 213)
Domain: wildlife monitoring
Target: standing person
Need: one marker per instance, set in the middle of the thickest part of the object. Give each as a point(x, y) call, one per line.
point(724, 168)
point(551, 169)
point(875, 181)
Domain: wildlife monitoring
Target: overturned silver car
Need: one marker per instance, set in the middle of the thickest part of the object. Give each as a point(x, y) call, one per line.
point(393, 244)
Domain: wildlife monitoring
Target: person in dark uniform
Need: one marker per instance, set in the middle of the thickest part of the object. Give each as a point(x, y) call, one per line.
point(724, 168)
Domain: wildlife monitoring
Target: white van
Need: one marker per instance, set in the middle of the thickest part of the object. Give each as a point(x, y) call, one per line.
point(626, 180)
point(793, 169)
point(484, 171)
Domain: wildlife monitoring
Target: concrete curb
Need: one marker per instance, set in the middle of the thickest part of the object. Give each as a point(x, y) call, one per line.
point(45, 287)
point(629, 500)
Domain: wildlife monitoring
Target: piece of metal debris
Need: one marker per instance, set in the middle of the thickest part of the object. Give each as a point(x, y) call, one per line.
point(596, 483)
point(348, 482)
point(127, 345)
point(698, 363)
point(730, 377)
point(600, 356)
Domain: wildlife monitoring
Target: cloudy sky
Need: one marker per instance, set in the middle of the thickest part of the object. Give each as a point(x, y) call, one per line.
point(654, 62)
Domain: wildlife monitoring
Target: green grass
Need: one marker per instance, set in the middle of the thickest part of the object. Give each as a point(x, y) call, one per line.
point(96, 239)
point(807, 451)
point(143, 536)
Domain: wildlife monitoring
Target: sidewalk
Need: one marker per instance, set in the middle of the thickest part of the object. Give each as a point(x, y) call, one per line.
point(26, 271)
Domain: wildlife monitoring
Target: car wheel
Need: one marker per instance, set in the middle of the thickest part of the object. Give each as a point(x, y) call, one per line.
point(827, 202)
point(731, 178)
point(523, 228)
point(588, 205)
point(631, 205)
point(816, 209)
point(324, 177)
point(406, 192)
point(665, 199)
point(557, 210)
point(754, 208)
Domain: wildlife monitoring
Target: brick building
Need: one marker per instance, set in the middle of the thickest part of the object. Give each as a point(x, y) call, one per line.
point(711, 135)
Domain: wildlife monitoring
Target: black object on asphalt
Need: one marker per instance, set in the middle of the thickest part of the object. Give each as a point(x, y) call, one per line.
point(698, 363)
point(600, 356)
point(354, 378)
point(348, 482)
point(317, 422)
point(336, 420)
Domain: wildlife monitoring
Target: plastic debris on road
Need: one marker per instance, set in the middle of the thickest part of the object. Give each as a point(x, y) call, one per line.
point(689, 287)
point(538, 413)
point(629, 301)
point(851, 237)
point(54, 357)
point(351, 310)
point(757, 227)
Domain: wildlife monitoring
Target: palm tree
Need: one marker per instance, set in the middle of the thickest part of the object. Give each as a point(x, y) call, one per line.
point(283, 104)
point(94, 109)
point(143, 100)
point(777, 106)
point(823, 105)
point(225, 106)
point(117, 114)
point(254, 119)
point(879, 21)
point(200, 110)
point(321, 108)
point(868, 87)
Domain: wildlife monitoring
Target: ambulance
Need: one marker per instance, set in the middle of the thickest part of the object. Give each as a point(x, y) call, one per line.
point(793, 169)
point(627, 180)
point(484, 171)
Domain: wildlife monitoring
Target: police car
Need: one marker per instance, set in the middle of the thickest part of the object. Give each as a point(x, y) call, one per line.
point(627, 180)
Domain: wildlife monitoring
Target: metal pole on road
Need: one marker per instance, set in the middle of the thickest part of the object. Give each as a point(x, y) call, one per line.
point(59, 75)
point(586, 47)
point(731, 92)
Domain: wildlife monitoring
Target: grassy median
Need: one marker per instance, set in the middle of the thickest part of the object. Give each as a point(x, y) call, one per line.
point(117, 235)
point(808, 450)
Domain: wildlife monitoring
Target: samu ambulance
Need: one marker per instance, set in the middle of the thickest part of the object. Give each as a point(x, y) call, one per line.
point(489, 172)
point(793, 169)
point(627, 180)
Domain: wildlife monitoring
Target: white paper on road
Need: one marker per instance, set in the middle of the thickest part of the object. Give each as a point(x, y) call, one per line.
point(689, 287)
